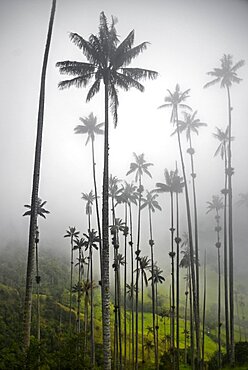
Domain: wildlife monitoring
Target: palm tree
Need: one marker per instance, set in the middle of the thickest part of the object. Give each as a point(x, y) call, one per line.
point(41, 211)
point(92, 128)
point(108, 59)
point(217, 205)
point(89, 198)
point(152, 204)
point(131, 292)
point(144, 266)
point(222, 136)
point(156, 278)
point(129, 196)
point(79, 244)
point(140, 167)
point(91, 240)
point(226, 75)
point(176, 100)
point(114, 190)
point(72, 234)
point(173, 185)
point(191, 125)
point(35, 190)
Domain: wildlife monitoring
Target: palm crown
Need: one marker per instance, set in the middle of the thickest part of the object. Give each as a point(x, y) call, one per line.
point(41, 211)
point(108, 59)
point(216, 204)
point(176, 100)
point(189, 124)
point(174, 183)
point(223, 137)
point(150, 201)
point(227, 73)
point(140, 166)
point(89, 127)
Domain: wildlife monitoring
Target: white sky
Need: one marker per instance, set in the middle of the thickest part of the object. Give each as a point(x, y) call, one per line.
point(187, 39)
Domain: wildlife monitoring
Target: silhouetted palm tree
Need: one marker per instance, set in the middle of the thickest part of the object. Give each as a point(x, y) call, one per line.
point(27, 311)
point(140, 167)
point(226, 75)
point(176, 100)
point(191, 125)
point(41, 211)
point(72, 234)
point(91, 241)
point(108, 59)
point(217, 205)
point(151, 203)
point(78, 245)
point(92, 128)
point(222, 136)
point(89, 198)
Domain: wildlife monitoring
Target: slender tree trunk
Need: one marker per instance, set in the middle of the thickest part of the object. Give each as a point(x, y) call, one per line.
point(151, 242)
point(230, 231)
point(192, 332)
point(204, 307)
point(219, 287)
point(132, 279)
point(38, 289)
point(92, 311)
point(79, 290)
point(172, 255)
point(178, 240)
point(125, 290)
point(193, 175)
point(186, 317)
point(193, 275)
point(226, 262)
point(137, 280)
point(35, 190)
point(105, 247)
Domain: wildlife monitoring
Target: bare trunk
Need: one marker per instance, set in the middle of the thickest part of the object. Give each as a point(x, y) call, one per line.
point(35, 190)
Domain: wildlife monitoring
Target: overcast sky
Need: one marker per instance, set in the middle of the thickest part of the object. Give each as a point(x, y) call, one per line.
point(187, 39)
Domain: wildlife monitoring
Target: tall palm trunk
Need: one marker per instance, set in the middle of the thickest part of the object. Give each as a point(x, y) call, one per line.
point(218, 244)
point(125, 288)
point(192, 337)
point(35, 190)
point(230, 227)
point(204, 306)
point(137, 280)
point(71, 277)
point(186, 316)
point(178, 240)
point(79, 291)
point(92, 341)
point(151, 242)
point(193, 175)
point(193, 275)
point(142, 316)
point(105, 247)
point(172, 255)
point(96, 200)
point(226, 260)
point(37, 289)
point(132, 277)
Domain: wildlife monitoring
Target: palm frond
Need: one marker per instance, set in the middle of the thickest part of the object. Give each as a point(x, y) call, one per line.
point(77, 82)
point(93, 90)
point(139, 73)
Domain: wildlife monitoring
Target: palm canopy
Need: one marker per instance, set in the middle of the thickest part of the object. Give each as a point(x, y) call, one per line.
point(71, 233)
point(140, 166)
point(173, 183)
point(128, 194)
point(223, 137)
point(145, 264)
point(90, 127)
point(150, 201)
point(79, 243)
point(41, 211)
point(157, 276)
point(108, 61)
point(216, 204)
point(89, 198)
point(190, 124)
point(114, 190)
point(91, 239)
point(175, 100)
point(227, 73)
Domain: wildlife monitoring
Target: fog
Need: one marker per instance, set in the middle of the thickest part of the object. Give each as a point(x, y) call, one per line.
point(187, 39)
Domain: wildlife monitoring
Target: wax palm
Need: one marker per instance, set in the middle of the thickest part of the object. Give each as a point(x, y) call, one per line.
point(78, 245)
point(226, 75)
point(27, 310)
point(114, 190)
point(72, 234)
point(92, 128)
point(89, 199)
point(144, 266)
point(41, 211)
point(217, 205)
point(107, 62)
point(140, 167)
point(191, 125)
point(175, 101)
point(151, 203)
point(223, 138)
